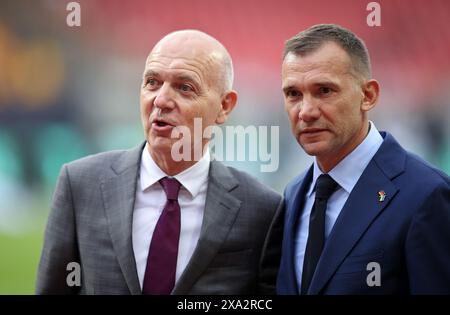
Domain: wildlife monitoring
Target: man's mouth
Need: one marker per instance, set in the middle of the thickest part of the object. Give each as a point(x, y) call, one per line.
point(161, 122)
point(161, 125)
point(311, 130)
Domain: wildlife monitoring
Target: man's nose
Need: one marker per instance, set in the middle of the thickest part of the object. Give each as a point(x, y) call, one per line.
point(164, 97)
point(309, 110)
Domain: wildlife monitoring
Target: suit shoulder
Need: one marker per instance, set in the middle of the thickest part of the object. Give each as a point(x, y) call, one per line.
point(100, 166)
point(255, 186)
point(428, 174)
point(96, 161)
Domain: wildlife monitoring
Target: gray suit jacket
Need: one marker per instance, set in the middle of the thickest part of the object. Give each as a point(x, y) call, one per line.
point(91, 218)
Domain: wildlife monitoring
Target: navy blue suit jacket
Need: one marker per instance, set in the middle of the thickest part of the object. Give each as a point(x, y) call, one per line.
point(407, 234)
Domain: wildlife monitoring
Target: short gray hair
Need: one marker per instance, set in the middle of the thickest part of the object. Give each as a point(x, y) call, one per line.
point(227, 71)
point(314, 37)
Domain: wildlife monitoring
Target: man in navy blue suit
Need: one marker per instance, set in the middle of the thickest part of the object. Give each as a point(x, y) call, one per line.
point(367, 217)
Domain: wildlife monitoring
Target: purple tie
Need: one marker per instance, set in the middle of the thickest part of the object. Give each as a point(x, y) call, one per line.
point(162, 256)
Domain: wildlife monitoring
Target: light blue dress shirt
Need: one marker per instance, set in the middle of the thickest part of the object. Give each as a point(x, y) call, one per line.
point(346, 173)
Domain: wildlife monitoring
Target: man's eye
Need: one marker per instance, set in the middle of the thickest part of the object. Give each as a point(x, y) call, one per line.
point(325, 90)
point(293, 94)
point(151, 83)
point(186, 88)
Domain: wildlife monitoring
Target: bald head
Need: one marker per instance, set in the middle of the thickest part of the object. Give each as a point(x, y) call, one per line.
point(197, 45)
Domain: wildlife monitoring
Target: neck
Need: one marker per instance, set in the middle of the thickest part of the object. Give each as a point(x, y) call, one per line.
point(327, 163)
point(167, 164)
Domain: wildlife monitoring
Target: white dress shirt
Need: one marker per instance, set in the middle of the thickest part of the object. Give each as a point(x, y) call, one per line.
point(149, 204)
point(346, 173)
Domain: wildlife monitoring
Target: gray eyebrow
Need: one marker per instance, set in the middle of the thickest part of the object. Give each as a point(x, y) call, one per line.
point(149, 73)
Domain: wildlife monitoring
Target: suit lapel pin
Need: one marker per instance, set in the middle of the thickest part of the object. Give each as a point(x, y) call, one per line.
point(381, 195)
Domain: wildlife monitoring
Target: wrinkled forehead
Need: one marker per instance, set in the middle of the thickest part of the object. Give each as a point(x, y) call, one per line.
point(200, 61)
point(175, 56)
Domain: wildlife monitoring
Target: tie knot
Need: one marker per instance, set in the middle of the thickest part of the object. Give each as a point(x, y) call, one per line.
point(325, 186)
point(171, 187)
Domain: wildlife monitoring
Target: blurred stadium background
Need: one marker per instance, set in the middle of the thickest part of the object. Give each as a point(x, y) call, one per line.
point(68, 92)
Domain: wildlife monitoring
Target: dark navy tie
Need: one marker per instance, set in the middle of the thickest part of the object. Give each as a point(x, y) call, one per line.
point(162, 255)
point(325, 186)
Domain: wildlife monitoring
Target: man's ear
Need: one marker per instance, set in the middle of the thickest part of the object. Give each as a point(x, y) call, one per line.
point(371, 92)
point(229, 100)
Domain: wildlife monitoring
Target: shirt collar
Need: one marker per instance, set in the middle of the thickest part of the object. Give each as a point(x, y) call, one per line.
point(347, 172)
point(191, 178)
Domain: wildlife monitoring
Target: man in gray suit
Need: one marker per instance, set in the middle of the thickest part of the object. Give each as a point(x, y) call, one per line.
point(143, 222)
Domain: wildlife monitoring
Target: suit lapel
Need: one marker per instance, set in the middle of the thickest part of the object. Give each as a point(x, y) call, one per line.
point(221, 209)
point(361, 208)
point(119, 193)
point(293, 214)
